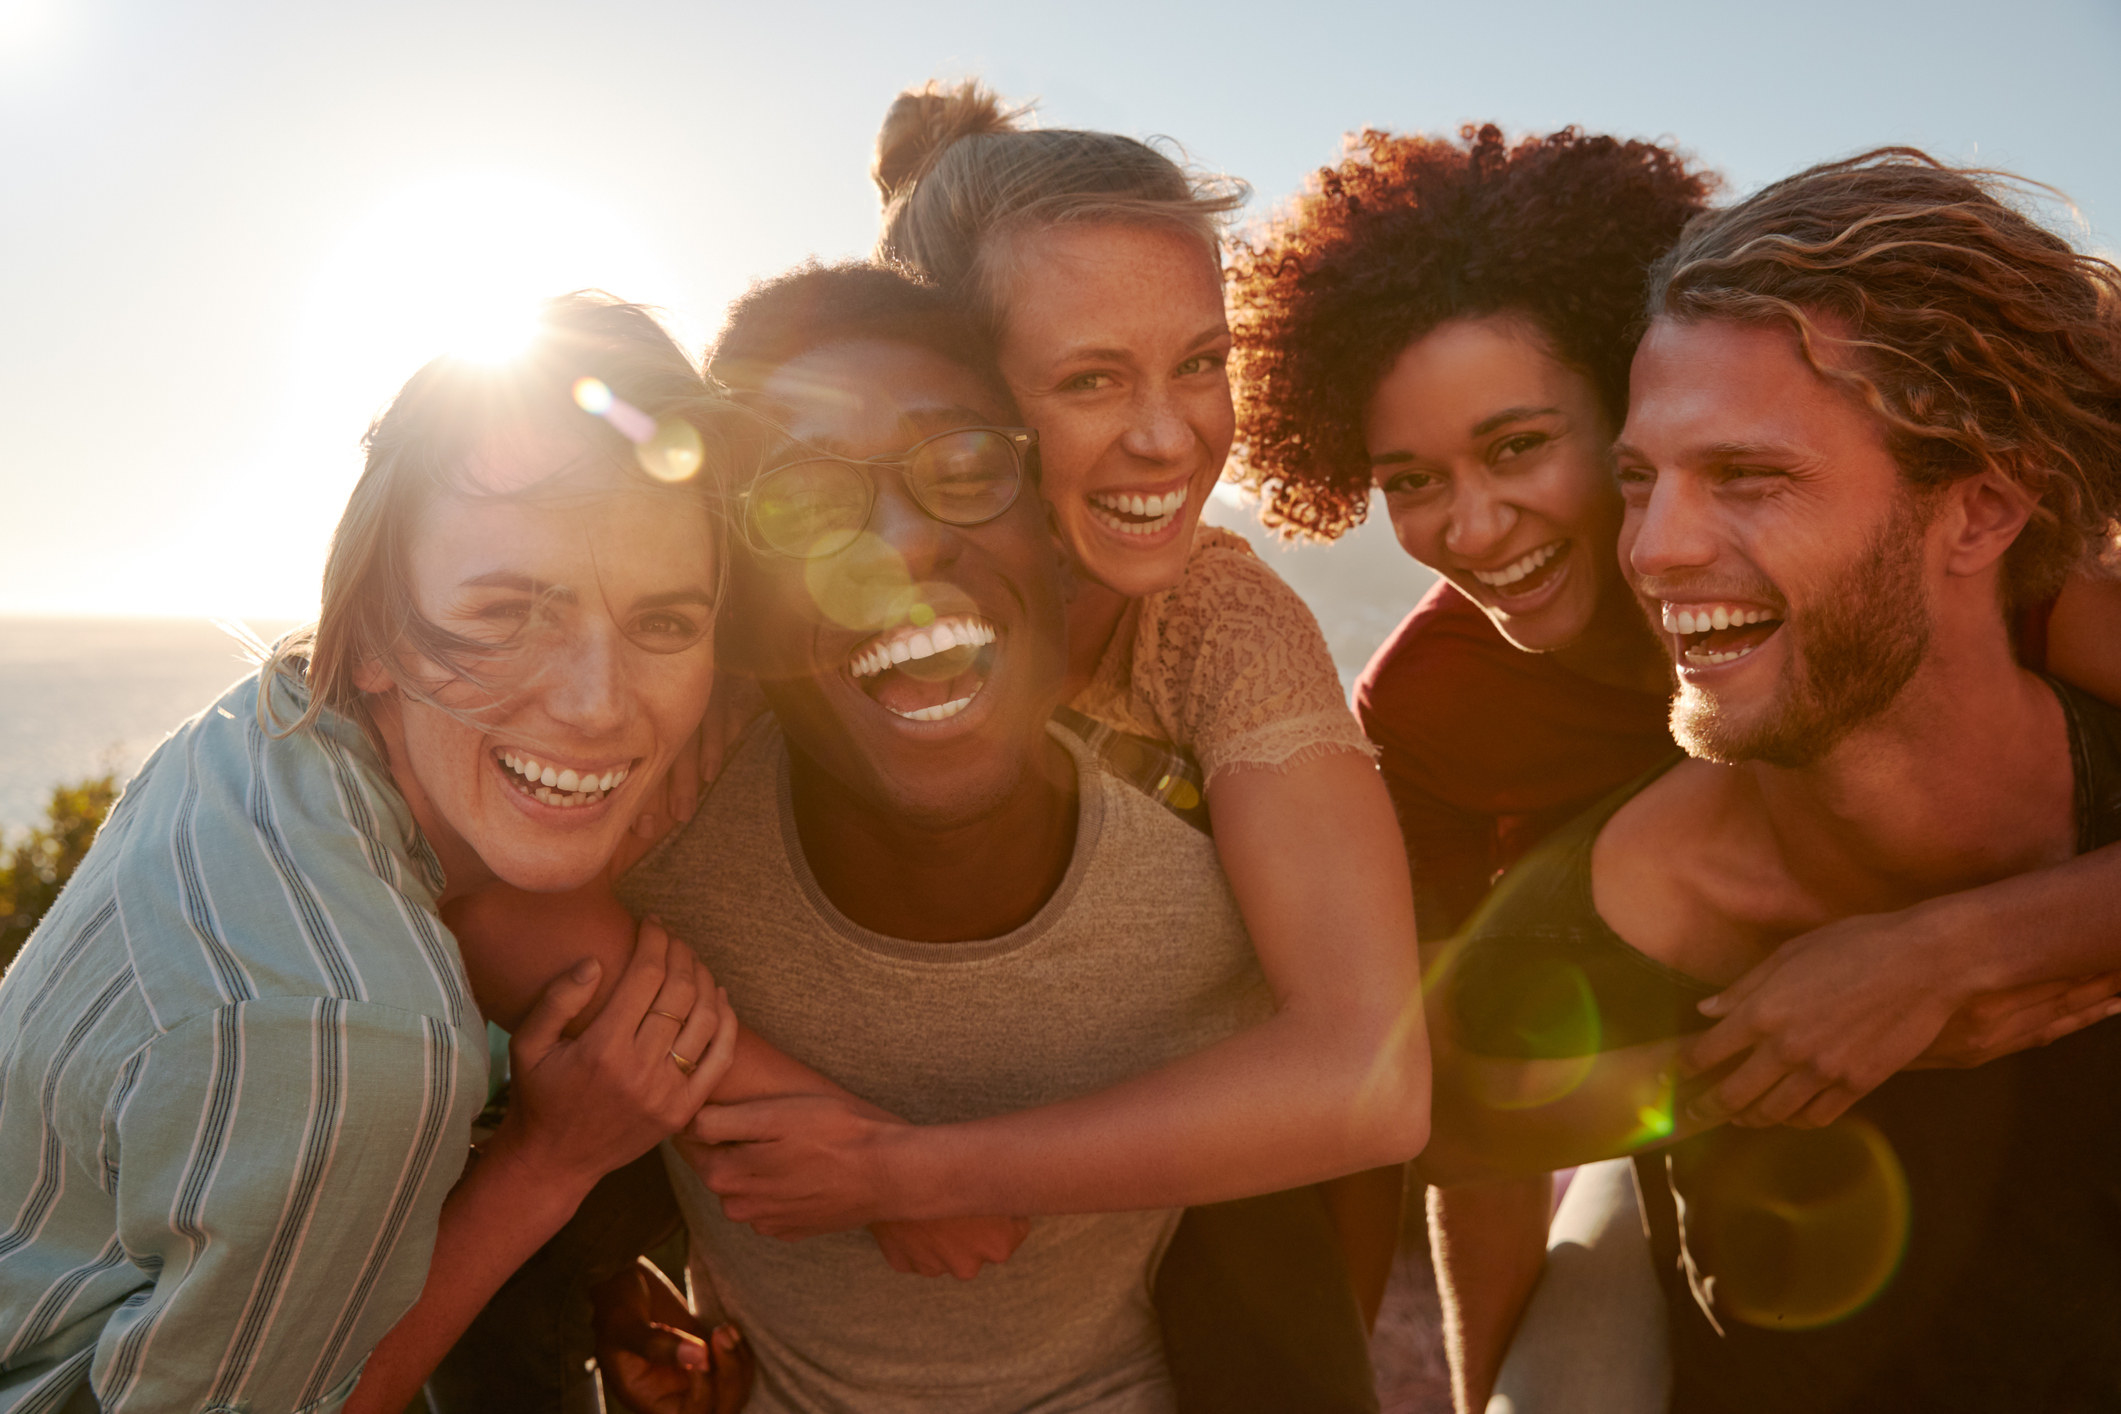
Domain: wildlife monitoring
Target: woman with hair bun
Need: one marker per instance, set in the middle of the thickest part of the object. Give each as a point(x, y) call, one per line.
point(1093, 260)
point(1452, 322)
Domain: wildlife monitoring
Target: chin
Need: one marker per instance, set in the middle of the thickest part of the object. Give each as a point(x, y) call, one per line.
point(1545, 632)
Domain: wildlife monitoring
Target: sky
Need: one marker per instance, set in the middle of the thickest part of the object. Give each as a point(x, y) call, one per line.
point(229, 230)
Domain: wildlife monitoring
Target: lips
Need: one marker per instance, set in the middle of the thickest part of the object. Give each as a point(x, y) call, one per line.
point(1712, 633)
point(566, 787)
point(1527, 574)
point(1136, 513)
point(929, 672)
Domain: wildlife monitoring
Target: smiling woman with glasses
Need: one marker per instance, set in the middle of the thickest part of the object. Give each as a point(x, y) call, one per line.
point(818, 504)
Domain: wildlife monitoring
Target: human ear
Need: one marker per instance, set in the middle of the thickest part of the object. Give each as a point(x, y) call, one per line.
point(1987, 511)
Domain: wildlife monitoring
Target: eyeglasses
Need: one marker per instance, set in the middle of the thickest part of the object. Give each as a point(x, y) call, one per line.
point(809, 509)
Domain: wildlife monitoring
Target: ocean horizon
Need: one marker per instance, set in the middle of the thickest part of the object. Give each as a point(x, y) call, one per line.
point(81, 696)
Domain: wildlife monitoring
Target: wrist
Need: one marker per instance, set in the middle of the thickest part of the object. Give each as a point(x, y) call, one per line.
point(1958, 934)
point(912, 1179)
point(532, 1172)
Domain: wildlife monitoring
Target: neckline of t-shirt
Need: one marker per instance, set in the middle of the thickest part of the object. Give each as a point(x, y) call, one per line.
point(1091, 784)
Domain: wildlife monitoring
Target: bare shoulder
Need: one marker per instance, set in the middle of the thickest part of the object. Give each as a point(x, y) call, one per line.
point(2084, 636)
point(1681, 874)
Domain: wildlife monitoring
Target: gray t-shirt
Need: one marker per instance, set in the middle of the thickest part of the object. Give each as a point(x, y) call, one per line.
point(1138, 958)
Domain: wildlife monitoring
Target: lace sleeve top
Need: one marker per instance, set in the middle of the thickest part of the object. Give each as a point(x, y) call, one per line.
point(1229, 663)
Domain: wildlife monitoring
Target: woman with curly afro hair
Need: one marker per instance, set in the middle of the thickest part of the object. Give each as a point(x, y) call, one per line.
point(1452, 322)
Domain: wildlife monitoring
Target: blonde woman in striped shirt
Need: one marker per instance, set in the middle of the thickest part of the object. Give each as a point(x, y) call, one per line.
point(240, 1060)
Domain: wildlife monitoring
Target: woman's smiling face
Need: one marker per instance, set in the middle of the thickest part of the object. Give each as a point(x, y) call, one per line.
point(597, 598)
point(1494, 459)
point(1115, 345)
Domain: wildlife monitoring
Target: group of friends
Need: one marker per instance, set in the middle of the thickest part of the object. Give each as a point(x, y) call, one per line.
point(832, 820)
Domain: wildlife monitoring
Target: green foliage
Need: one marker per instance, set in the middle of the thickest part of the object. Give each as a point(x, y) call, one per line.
point(38, 864)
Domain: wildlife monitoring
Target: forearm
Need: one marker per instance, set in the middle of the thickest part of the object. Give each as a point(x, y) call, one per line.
point(500, 1213)
point(1289, 1102)
point(1489, 1245)
point(2050, 925)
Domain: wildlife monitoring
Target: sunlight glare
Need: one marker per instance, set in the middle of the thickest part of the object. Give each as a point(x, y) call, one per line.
point(458, 266)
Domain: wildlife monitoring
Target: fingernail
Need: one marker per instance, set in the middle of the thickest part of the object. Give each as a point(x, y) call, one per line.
point(727, 1338)
point(692, 1356)
point(586, 970)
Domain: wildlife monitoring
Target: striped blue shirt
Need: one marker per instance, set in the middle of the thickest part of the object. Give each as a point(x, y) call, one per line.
point(239, 1063)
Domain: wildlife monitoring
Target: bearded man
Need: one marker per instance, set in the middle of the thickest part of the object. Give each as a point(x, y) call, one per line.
point(1877, 411)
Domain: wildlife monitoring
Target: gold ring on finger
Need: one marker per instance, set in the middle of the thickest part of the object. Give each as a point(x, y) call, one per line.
point(658, 1011)
point(683, 1064)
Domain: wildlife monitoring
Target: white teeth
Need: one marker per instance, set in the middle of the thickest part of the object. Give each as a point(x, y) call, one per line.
point(908, 643)
point(563, 788)
point(1158, 510)
point(1518, 569)
point(938, 712)
point(1710, 617)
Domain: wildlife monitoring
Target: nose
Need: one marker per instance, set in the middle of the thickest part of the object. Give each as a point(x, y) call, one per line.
point(588, 687)
point(1480, 519)
point(1669, 530)
point(923, 543)
point(1157, 429)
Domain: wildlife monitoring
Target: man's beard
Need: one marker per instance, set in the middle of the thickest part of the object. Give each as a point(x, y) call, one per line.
point(1864, 634)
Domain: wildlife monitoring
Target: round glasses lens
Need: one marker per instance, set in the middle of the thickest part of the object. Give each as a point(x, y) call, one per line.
point(810, 509)
point(965, 477)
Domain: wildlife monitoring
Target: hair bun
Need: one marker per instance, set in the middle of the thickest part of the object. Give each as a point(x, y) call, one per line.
point(921, 124)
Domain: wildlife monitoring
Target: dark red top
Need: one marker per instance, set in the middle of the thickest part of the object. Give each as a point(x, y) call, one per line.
point(1487, 748)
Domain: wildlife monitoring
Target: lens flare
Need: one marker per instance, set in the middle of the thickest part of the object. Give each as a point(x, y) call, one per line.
point(593, 395)
point(669, 450)
point(672, 452)
point(1792, 1229)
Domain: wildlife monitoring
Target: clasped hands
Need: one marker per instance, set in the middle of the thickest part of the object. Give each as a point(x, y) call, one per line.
point(796, 1166)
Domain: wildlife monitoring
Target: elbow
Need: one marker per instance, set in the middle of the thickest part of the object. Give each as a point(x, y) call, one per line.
point(1399, 1136)
point(1390, 1110)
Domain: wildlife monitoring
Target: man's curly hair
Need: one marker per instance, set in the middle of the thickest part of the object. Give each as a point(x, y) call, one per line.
point(1980, 338)
point(1408, 233)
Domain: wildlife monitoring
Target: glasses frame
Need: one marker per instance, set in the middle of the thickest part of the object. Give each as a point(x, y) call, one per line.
point(1023, 448)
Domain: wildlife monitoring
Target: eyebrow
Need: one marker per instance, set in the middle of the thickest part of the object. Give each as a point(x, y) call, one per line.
point(525, 584)
point(669, 597)
point(1480, 429)
point(521, 583)
point(1507, 416)
point(1214, 334)
point(1716, 452)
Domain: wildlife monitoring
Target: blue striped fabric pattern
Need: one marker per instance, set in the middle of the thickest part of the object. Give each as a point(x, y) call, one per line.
point(239, 1063)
